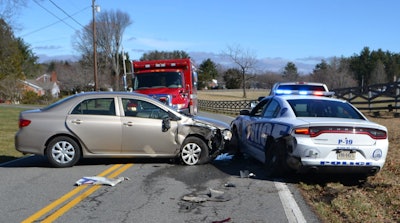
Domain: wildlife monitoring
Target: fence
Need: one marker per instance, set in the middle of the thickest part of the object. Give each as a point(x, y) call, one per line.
point(374, 98)
point(225, 107)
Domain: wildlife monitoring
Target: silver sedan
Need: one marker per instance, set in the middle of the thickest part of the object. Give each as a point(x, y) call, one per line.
point(117, 124)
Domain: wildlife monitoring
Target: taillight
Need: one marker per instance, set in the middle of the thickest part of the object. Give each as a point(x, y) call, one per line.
point(24, 123)
point(316, 131)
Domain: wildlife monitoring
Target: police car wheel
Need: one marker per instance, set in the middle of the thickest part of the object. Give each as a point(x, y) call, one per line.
point(275, 160)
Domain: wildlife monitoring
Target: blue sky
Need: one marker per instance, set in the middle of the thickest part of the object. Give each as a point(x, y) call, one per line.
point(276, 32)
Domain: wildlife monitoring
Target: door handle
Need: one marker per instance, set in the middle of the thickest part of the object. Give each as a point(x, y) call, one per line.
point(77, 121)
point(128, 123)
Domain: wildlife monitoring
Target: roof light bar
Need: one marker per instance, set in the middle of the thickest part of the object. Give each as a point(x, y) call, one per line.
point(304, 92)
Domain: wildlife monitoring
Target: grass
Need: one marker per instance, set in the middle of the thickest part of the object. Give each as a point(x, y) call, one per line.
point(8, 128)
point(375, 200)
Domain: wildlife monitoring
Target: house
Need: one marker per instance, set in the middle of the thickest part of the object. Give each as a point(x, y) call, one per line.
point(44, 83)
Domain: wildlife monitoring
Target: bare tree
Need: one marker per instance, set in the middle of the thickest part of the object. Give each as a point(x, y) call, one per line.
point(110, 27)
point(8, 8)
point(378, 75)
point(245, 60)
point(335, 74)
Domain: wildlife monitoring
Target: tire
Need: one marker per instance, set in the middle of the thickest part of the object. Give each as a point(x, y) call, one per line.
point(234, 145)
point(275, 160)
point(63, 151)
point(194, 151)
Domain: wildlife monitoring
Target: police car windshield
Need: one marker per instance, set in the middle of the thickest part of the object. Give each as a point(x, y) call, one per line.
point(323, 108)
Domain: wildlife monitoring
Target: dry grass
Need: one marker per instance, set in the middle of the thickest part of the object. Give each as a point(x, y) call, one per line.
point(231, 95)
point(375, 200)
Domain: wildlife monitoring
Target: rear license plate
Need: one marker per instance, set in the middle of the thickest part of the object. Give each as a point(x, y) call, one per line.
point(346, 155)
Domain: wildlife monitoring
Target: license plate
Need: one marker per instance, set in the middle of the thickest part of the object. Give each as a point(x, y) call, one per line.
point(346, 155)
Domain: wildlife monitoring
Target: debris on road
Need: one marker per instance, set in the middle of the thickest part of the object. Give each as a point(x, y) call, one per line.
point(100, 180)
point(212, 195)
point(246, 174)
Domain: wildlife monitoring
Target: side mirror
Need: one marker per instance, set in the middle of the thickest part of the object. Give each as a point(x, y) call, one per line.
point(166, 124)
point(244, 112)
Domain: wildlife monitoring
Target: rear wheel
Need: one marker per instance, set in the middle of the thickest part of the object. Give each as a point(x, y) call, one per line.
point(63, 151)
point(275, 160)
point(194, 151)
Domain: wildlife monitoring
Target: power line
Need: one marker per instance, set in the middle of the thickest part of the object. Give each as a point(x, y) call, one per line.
point(69, 16)
point(54, 23)
point(53, 14)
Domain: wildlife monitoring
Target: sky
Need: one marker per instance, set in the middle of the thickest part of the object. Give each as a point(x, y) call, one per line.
point(274, 31)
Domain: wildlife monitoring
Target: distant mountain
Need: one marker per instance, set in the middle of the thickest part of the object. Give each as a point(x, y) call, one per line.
point(304, 66)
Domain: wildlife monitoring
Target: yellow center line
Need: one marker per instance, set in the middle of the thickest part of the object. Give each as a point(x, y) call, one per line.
point(67, 196)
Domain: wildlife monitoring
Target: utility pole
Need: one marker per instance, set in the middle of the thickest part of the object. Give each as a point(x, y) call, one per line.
point(94, 9)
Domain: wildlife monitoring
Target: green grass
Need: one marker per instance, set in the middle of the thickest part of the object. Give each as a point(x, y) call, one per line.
point(8, 128)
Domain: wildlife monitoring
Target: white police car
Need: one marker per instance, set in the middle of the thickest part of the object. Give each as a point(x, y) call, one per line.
point(302, 133)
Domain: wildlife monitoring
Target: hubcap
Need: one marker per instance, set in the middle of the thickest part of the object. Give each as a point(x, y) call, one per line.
point(63, 152)
point(191, 153)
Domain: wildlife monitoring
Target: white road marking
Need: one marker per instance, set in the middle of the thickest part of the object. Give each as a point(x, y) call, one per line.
point(292, 210)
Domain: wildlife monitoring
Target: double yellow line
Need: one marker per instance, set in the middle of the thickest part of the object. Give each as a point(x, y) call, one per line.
point(111, 172)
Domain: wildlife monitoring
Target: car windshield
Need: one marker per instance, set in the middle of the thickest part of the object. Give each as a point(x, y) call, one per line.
point(323, 108)
point(158, 80)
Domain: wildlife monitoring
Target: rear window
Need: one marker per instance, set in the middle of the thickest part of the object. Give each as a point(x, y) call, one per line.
point(299, 87)
point(323, 108)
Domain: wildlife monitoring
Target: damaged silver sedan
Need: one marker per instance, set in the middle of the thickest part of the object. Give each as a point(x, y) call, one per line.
point(117, 125)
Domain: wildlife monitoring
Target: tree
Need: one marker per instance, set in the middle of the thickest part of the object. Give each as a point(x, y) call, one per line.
point(162, 55)
point(290, 72)
point(378, 75)
point(245, 60)
point(232, 78)
point(8, 8)
point(207, 71)
point(10, 62)
point(110, 27)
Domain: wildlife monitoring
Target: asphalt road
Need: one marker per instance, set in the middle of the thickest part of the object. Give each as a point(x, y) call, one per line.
point(154, 190)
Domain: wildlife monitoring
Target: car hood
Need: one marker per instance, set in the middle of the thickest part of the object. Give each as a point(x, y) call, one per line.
point(210, 121)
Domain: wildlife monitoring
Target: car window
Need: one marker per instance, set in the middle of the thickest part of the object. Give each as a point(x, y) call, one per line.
point(258, 109)
point(299, 87)
point(142, 109)
point(97, 106)
point(272, 110)
point(323, 108)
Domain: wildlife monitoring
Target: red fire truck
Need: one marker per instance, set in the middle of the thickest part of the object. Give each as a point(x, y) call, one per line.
point(173, 82)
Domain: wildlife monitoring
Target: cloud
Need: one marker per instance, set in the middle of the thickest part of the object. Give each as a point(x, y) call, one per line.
point(48, 47)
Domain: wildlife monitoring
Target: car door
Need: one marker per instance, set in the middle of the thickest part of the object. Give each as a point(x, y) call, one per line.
point(248, 122)
point(94, 122)
point(260, 128)
point(142, 129)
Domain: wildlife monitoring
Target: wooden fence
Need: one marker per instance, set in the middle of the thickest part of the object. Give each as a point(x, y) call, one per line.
point(374, 98)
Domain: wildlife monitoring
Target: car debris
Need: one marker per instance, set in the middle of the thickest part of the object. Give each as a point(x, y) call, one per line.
point(212, 195)
point(96, 180)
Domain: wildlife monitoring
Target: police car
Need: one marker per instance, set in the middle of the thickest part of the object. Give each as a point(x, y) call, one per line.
point(299, 132)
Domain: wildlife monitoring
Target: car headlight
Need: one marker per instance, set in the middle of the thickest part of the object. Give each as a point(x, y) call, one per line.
point(227, 134)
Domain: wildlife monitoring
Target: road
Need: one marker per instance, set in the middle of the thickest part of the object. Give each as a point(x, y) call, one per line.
point(154, 190)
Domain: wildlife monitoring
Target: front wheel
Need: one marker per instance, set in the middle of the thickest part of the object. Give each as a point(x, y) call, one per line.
point(194, 151)
point(63, 151)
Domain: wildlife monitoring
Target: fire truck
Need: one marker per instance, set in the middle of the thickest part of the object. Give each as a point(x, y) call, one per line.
point(172, 81)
